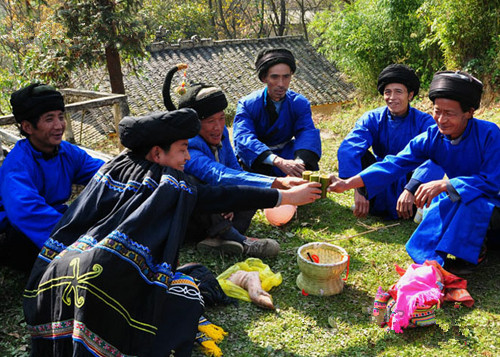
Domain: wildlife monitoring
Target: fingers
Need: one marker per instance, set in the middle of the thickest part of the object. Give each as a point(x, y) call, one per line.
point(361, 209)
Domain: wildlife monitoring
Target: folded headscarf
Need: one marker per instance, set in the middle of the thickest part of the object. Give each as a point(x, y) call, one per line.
point(398, 73)
point(205, 99)
point(160, 128)
point(456, 85)
point(31, 102)
point(273, 56)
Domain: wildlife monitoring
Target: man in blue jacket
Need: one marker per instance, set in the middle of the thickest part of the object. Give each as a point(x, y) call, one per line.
point(462, 207)
point(273, 129)
point(37, 175)
point(387, 130)
point(213, 162)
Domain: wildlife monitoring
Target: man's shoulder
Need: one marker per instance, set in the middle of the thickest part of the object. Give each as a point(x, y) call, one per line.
point(253, 96)
point(374, 114)
point(197, 142)
point(294, 96)
point(420, 114)
point(69, 147)
point(19, 159)
point(486, 125)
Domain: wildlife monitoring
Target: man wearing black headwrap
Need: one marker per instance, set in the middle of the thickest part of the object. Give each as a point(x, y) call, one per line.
point(387, 130)
point(213, 161)
point(106, 279)
point(37, 175)
point(458, 209)
point(273, 131)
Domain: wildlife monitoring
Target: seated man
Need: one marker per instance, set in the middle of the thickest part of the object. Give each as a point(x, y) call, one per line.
point(387, 130)
point(36, 177)
point(273, 130)
point(108, 273)
point(213, 161)
point(460, 207)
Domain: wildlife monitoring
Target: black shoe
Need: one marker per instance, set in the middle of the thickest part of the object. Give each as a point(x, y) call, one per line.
point(461, 267)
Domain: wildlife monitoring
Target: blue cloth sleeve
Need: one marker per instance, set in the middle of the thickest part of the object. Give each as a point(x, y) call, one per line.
point(26, 209)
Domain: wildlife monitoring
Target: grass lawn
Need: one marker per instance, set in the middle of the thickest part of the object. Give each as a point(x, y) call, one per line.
point(338, 325)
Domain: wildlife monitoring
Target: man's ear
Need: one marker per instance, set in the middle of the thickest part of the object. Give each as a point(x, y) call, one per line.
point(410, 95)
point(27, 127)
point(470, 113)
point(154, 154)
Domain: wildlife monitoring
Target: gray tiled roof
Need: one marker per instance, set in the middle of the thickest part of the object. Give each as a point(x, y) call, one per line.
point(228, 64)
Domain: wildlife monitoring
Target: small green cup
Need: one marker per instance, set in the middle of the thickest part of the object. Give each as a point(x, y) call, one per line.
point(314, 177)
point(325, 182)
point(306, 175)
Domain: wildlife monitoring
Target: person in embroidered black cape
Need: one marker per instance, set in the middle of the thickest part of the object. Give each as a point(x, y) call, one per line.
point(105, 283)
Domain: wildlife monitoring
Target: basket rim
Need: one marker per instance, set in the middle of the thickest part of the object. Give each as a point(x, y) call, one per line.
point(307, 245)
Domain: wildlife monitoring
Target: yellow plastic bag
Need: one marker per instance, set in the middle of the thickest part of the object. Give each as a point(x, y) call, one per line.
point(267, 278)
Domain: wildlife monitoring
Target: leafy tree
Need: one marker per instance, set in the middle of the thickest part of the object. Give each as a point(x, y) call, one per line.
point(33, 47)
point(364, 36)
point(467, 33)
point(179, 19)
point(104, 31)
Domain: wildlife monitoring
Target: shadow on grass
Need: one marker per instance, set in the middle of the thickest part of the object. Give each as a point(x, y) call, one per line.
point(14, 339)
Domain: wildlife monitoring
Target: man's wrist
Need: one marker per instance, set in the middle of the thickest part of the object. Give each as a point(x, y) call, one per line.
point(269, 160)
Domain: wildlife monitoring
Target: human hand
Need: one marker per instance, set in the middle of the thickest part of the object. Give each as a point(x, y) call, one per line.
point(427, 191)
point(229, 216)
point(287, 182)
point(289, 167)
point(404, 206)
point(302, 194)
point(361, 205)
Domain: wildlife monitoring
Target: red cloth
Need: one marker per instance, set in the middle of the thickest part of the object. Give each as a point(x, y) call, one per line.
point(455, 288)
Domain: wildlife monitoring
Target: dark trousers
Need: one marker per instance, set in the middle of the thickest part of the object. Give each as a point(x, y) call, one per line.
point(16, 250)
point(493, 233)
point(212, 225)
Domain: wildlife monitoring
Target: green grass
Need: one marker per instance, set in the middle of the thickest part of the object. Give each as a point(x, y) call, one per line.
point(338, 325)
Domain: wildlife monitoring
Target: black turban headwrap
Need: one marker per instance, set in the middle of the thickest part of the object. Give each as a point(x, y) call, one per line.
point(205, 99)
point(140, 134)
point(456, 85)
point(273, 56)
point(31, 102)
point(398, 73)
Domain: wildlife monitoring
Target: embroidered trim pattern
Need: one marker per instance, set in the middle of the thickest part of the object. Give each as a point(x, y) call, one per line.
point(79, 332)
point(51, 249)
point(177, 184)
point(121, 187)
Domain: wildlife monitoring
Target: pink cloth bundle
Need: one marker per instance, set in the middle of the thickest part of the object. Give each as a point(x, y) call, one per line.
point(412, 300)
point(418, 286)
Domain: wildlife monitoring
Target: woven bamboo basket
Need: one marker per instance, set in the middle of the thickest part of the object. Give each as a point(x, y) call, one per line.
point(322, 276)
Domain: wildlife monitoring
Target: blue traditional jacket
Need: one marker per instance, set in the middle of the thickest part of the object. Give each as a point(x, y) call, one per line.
point(34, 190)
point(456, 222)
point(386, 135)
point(293, 130)
point(226, 171)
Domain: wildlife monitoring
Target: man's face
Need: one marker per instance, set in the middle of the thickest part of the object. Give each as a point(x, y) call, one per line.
point(48, 132)
point(450, 118)
point(176, 157)
point(278, 79)
point(397, 98)
point(212, 128)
